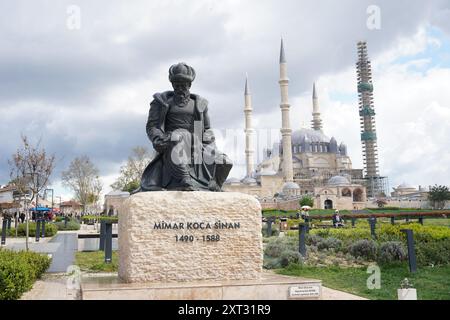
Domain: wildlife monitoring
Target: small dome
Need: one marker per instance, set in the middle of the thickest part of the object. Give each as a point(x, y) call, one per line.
point(232, 181)
point(249, 180)
point(338, 181)
point(290, 186)
point(405, 186)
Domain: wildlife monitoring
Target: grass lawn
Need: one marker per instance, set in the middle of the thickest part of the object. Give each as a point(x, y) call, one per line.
point(94, 261)
point(432, 283)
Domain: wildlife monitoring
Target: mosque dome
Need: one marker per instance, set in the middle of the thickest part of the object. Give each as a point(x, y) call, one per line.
point(290, 186)
point(308, 134)
point(405, 186)
point(338, 181)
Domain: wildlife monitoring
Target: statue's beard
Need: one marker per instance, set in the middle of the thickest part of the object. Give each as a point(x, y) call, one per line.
point(182, 97)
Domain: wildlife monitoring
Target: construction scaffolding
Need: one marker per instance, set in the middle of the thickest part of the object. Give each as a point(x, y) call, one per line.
point(376, 185)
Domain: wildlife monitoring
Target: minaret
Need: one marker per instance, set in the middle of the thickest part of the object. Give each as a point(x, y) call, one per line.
point(286, 131)
point(316, 122)
point(249, 131)
point(367, 119)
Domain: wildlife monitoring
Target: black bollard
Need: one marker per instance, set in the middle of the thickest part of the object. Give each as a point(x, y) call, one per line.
point(307, 224)
point(108, 242)
point(102, 236)
point(4, 227)
point(411, 250)
point(421, 220)
point(301, 239)
point(269, 227)
point(353, 221)
point(38, 228)
point(43, 228)
point(392, 220)
point(373, 222)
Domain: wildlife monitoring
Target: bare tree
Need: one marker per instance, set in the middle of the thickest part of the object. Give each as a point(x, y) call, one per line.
point(131, 173)
point(31, 169)
point(82, 177)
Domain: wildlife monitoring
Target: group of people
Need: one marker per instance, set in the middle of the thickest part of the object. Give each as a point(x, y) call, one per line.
point(337, 219)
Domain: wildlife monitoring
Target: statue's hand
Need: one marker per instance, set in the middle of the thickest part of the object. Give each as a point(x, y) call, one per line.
point(162, 143)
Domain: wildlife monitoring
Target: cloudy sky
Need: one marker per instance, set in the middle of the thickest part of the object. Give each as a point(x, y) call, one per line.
point(80, 75)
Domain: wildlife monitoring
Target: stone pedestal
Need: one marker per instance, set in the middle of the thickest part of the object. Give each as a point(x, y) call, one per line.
point(189, 236)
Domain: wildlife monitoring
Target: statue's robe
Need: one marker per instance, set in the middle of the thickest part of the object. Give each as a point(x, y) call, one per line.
point(206, 172)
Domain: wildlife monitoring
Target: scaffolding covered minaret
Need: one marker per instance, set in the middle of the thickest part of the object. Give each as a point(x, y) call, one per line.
point(376, 185)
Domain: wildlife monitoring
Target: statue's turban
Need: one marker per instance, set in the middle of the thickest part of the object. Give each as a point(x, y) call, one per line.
point(181, 72)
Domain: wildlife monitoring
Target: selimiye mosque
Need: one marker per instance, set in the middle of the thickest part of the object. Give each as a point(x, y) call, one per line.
point(308, 162)
point(304, 162)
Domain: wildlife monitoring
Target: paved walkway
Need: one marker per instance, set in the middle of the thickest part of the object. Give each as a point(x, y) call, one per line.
point(331, 294)
point(52, 287)
point(64, 256)
point(58, 286)
point(61, 247)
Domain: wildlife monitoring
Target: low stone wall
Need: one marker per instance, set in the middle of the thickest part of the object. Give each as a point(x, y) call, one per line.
point(281, 205)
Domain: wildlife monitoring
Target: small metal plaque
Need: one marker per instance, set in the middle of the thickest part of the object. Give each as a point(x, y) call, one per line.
point(304, 291)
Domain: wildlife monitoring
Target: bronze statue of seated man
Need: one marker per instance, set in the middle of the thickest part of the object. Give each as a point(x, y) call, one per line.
point(179, 128)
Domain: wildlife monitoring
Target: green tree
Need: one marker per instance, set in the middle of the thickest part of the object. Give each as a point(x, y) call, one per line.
point(82, 177)
point(131, 173)
point(438, 195)
point(306, 201)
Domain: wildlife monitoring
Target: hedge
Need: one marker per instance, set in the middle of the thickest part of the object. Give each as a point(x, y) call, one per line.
point(113, 219)
point(71, 225)
point(18, 272)
point(50, 230)
point(432, 243)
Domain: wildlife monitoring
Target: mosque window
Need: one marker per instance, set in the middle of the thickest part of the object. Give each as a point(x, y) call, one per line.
point(346, 192)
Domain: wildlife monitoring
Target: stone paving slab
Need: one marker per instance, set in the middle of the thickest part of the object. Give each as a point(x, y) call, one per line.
point(332, 294)
point(52, 287)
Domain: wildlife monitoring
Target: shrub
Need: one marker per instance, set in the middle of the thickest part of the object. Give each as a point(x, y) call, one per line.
point(50, 229)
point(18, 271)
point(329, 243)
point(344, 234)
point(313, 239)
point(365, 249)
point(433, 253)
point(271, 263)
point(290, 256)
point(392, 251)
point(71, 225)
point(306, 201)
point(275, 231)
point(275, 247)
